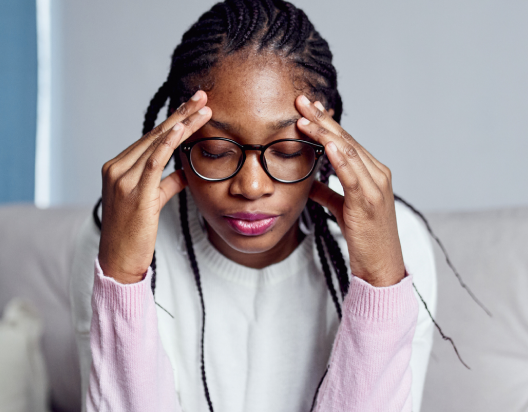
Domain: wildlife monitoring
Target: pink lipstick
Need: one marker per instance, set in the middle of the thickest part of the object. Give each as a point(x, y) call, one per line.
point(251, 224)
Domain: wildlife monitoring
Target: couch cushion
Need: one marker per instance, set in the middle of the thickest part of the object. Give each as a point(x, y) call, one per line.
point(36, 250)
point(490, 250)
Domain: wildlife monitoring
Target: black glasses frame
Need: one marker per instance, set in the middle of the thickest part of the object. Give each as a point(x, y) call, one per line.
point(187, 147)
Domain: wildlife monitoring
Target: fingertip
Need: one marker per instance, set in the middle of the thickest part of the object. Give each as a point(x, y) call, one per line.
point(199, 95)
point(205, 111)
point(319, 105)
point(303, 121)
point(303, 100)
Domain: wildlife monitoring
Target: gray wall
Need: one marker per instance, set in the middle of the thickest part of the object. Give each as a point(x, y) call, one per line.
point(18, 99)
point(436, 90)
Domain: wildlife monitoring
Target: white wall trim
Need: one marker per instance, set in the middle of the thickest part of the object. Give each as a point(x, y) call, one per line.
point(43, 139)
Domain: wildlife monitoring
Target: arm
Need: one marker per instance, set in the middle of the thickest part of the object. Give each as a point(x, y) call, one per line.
point(369, 367)
point(130, 369)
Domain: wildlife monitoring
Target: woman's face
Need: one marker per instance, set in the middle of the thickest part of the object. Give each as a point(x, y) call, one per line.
point(251, 218)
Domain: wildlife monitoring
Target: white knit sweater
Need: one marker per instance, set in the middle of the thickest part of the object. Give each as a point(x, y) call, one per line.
point(265, 348)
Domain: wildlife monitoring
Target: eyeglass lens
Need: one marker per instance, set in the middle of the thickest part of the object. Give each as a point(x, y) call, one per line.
point(287, 160)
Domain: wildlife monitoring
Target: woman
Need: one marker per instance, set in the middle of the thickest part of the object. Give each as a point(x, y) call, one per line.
point(244, 261)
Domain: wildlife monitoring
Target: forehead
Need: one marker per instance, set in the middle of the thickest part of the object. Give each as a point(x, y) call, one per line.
point(253, 90)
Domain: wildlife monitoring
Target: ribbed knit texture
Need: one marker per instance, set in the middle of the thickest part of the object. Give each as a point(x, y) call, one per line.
point(130, 369)
point(369, 367)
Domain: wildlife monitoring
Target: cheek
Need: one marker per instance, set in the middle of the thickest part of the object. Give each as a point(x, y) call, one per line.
point(295, 196)
point(206, 194)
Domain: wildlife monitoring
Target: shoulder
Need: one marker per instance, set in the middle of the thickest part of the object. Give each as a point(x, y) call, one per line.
point(415, 240)
point(82, 274)
point(418, 253)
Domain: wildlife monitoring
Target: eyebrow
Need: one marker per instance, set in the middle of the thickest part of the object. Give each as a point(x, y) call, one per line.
point(281, 124)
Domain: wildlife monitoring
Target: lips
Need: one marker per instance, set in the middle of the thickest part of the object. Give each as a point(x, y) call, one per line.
point(251, 224)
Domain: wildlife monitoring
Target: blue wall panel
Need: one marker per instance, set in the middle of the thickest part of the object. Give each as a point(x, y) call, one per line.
point(18, 99)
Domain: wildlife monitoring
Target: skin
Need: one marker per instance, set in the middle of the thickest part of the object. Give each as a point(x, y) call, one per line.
point(257, 110)
point(253, 101)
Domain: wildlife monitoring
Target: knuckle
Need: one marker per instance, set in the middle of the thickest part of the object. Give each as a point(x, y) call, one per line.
point(110, 171)
point(122, 186)
point(105, 169)
point(152, 164)
point(321, 131)
point(354, 187)
point(154, 133)
point(186, 122)
point(341, 164)
point(350, 152)
point(385, 181)
point(346, 136)
point(183, 110)
point(319, 116)
point(388, 172)
point(376, 197)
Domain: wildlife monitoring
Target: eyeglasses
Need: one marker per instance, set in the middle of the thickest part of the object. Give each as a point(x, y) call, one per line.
point(287, 160)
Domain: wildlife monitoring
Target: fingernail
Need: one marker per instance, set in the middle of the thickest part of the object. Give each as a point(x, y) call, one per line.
point(203, 111)
point(331, 147)
point(304, 100)
point(177, 127)
point(196, 96)
point(304, 121)
point(319, 106)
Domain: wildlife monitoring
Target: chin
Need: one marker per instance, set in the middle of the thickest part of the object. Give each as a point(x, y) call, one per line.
point(252, 244)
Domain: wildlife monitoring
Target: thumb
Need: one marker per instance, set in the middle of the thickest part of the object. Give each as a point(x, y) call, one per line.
point(328, 198)
point(172, 185)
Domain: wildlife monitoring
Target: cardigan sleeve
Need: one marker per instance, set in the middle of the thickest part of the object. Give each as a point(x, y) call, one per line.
point(369, 367)
point(130, 369)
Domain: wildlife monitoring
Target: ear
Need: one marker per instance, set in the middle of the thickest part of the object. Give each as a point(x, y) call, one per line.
point(331, 112)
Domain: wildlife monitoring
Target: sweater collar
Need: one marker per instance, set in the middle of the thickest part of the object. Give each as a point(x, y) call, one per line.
point(211, 261)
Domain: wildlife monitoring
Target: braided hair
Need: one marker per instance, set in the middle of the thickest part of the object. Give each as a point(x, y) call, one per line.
point(259, 25)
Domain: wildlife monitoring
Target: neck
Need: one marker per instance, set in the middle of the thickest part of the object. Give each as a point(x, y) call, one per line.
point(259, 260)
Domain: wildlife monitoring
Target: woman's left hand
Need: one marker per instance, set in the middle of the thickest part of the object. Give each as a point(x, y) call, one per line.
point(366, 213)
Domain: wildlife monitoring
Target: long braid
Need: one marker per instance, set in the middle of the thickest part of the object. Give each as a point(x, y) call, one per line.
point(194, 265)
point(326, 271)
point(157, 102)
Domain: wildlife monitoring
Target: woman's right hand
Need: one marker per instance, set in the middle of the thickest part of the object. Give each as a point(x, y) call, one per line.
point(134, 194)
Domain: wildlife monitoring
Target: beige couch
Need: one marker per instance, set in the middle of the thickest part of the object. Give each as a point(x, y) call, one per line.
point(490, 249)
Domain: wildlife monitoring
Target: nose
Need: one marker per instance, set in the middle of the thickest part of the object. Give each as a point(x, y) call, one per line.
point(251, 181)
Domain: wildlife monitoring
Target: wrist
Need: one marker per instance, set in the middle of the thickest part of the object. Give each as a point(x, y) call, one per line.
point(385, 277)
point(119, 275)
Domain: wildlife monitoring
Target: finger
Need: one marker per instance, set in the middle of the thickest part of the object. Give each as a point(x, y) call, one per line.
point(364, 167)
point(328, 198)
point(171, 185)
point(339, 131)
point(342, 138)
point(352, 172)
point(147, 172)
point(189, 126)
point(320, 117)
point(130, 155)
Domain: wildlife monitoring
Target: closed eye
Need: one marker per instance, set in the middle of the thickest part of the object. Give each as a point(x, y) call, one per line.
point(287, 155)
point(215, 156)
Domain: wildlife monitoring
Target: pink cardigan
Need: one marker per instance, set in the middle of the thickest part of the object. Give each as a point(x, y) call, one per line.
point(369, 368)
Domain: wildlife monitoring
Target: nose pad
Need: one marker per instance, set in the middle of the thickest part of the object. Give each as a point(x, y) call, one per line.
point(252, 181)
